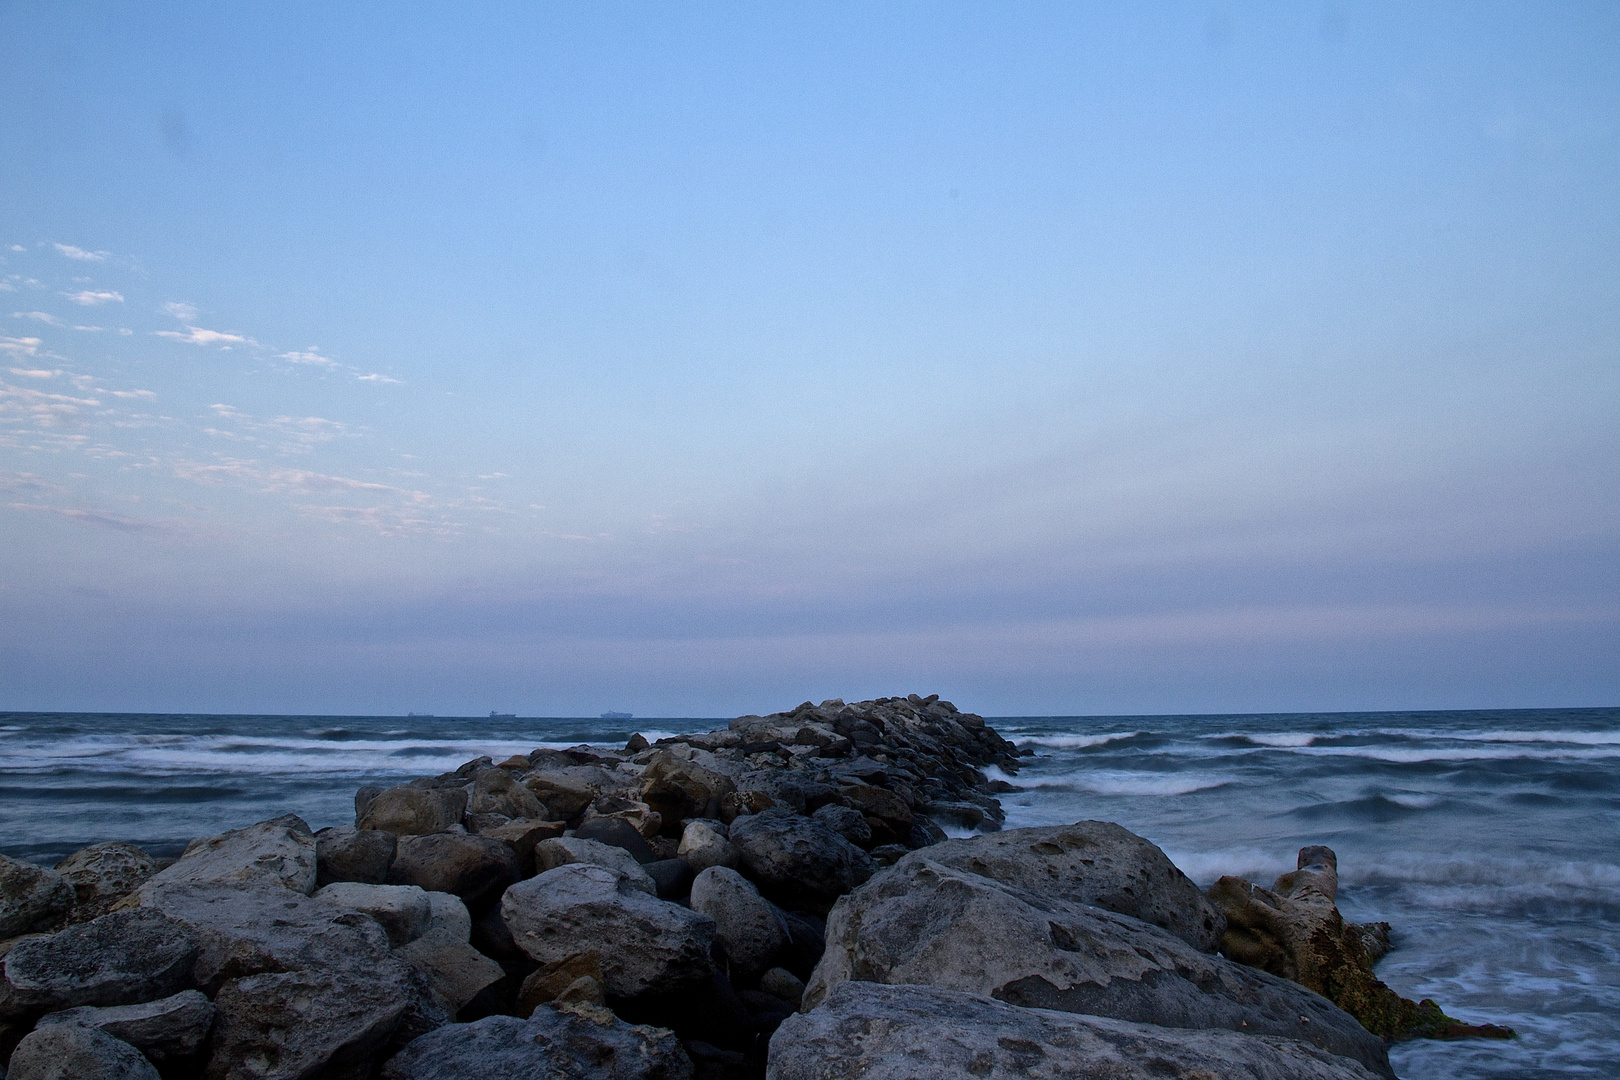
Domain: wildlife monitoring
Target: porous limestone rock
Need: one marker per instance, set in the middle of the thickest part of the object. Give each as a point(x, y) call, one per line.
point(411, 810)
point(449, 916)
point(77, 1052)
point(567, 850)
point(32, 898)
point(281, 851)
point(164, 1030)
point(102, 873)
point(703, 845)
point(455, 970)
point(403, 911)
point(118, 959)
point(746, 924)
point(497, 791)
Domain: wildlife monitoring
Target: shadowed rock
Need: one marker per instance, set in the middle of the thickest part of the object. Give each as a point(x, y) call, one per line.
point(163, 1030)
point(345, 853)
point(559, 1042)
point(118, 959)
point(32, 898)
point(77, 1052)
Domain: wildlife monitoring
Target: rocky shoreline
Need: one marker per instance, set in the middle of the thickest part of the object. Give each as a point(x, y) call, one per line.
point(777, 898)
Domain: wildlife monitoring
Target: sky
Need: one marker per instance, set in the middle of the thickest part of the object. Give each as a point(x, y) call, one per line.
point(700, 359)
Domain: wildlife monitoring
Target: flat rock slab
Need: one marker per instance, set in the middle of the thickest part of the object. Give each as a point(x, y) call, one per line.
point(923, 923)
point(171, 1027)
point(565, 1042)
point(924, 1033)
point(281, 851)
point(1092, 862)
point(76, 1052)
point(118, 959)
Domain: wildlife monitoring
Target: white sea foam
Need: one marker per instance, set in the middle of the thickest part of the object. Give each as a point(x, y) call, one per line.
point(1277, 739)
point(1116, 782)
point(1074, 742)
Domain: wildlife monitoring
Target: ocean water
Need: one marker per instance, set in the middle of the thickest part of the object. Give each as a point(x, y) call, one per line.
point(1490, 841)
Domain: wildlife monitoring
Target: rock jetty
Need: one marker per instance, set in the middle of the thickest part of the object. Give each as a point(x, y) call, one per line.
point(778, 898)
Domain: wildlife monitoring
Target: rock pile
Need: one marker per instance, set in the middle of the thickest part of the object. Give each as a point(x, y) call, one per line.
point(777, 898)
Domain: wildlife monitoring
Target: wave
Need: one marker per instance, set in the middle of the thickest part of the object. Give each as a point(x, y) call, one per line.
point(1112, 782)
point(1076, 742)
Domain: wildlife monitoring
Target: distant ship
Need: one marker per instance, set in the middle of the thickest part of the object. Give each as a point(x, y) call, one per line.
point(493, 715)
point(425, 714)
point(617, 716)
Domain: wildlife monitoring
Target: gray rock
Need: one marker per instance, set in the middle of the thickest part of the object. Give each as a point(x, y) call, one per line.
point(280, 851)
point(559, 1042)
point(923, 923)
point(403, 911)
point(886, 813)
point(169, 1028)
point(119, 959)
point(567, 792)
point(76, 1052)
point(703, 846)
point(104, 872)
point(846, 822)
point(449, 916)
point(497, 791)
point(746, 924)
point(414, 811)
point(671, 877)
point(649, 945)
point(247, 931)
point(568, 850)
point(297, 1024)
point(925, 1033)
point(472, 867)
point(617, 832)
point(523, 834)
point(679, 789)
point(1091, 862)
point(345, 853)
point(455, 970)
point(798, 860)
point(31, 897)
point(782, 983)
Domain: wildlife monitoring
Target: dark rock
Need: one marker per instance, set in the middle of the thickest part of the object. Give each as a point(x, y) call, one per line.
point(846, 822)
point(636, 744)
point(345, 853)
point(784, 985)
point(32, 898)
point(678, 789)
point(798, 861)
point(741, 803)
point(414, 811)
point(523, 834)
point(885, 812)
point(456, 971)
point(925, 1033)
point(559, 1042)
point(672, 877)
point(119, 959)
point(747, 926)
point(546, 983)
point(363, 798)
point(164, 1030)
point(77, 1052)
point(474, 868)
point(616, 832)
point(889, 854)
point(807, 940)
point(566, 850)
point(565, 793)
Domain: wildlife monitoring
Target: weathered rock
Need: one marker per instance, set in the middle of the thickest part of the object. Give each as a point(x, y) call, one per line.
point(102, 873)
point(32, 898)
point(1294, 930)
point(163, 1030)
point(783, 984)
point(118, 959)
point(523, 834)
point(798, 860)
point(549, 982)
point(77, 1052)
point(886, 813)
point(1091, 862)
point(403, 911)
point(703, 846)
point(746, 924)
point(743, 803)
point(449, 916)
point(925, 1033)
point(617, 832)
point(245, 931)
point(556, 1043)
point(455, 970)
point(652, 945)
point(497, 791)
point(295, 1024)
point(678, 789)
point(567, 850)
point(924, 923)
point(345, 853)
point(472, 867)
point(566, 792)
point(672, 878)
point(281, 851)
point(414, 811)
point(846, 822)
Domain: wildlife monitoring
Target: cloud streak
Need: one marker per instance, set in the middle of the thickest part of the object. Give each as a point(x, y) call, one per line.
point(89, 298)
point(80, 254)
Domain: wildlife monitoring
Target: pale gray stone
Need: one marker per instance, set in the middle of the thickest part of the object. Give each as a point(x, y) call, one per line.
point(703, 846)
point(171, 1027)
point(280, 851)
point(559, 1042)
point(449, 916)
point(404, 911)
point(746, 924)
point(118, 959)
point(76, 1052)
point(565, 850)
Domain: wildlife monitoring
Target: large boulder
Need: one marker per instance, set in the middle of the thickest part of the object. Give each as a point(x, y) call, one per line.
point(412, 810)
point(747, 925)
point(523, 834)
point(1091, 862)
point(924, 1033)
point(703, 845)
point(559, 1042)
point(924, 923)
point(566, 792)
point(456, 971)
point(249, 931)
point(847, 822)
point(616, 830)
point(497, 791)
point(798, 861)
point(474, 868)
point(1294, 930)
point(119, 959)
point(403, 911)
point(345, 853)
point(77, 1052)
point(649, 945)
point(886, 814)
point(164, 1030)
point(678, 789)
point(449, 916)
point(281, 851)
point(102, 873)
point(566, 850)
point(297, 1024)
point(32, 898)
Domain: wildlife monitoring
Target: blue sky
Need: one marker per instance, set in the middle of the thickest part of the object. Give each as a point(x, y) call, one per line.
point(700, 359)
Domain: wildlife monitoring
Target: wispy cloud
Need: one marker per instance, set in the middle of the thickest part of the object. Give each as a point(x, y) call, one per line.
point(91, 298)
point(38, 316)
point(45, 410)
point(34, 373)
point(79, 253)
point(196, 335)
point(376, 378)
point(184, 312)
point(100, 519)
point(289, 432)
point(26, 346)
point(311, 355)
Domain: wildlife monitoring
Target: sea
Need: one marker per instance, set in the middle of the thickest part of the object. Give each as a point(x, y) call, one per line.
point(1489, 840)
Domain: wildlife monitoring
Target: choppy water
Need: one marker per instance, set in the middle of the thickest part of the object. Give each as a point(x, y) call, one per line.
point(1488, 839)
